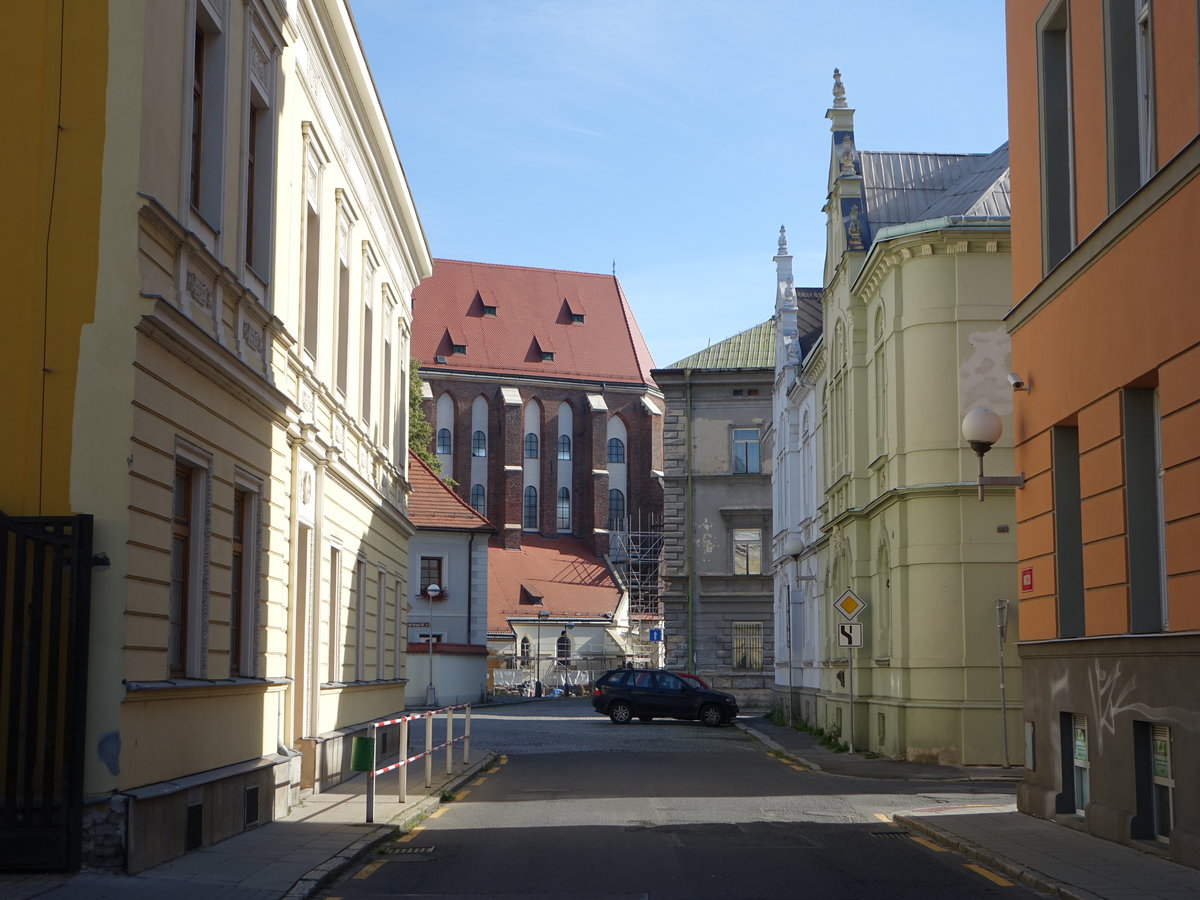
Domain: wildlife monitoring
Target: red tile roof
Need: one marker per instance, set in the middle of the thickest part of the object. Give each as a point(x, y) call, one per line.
point(433, 505)
point(571, 580)
point(531, 305)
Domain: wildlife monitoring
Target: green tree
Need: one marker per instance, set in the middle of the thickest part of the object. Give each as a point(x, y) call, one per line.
point(420, 432)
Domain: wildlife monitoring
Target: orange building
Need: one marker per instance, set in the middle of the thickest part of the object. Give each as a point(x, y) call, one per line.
point(1104, 111)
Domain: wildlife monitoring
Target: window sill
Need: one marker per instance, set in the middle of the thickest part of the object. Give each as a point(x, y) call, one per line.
point(198, 684)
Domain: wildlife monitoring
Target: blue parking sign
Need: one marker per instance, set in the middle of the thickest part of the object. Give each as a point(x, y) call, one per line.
point(656, 635)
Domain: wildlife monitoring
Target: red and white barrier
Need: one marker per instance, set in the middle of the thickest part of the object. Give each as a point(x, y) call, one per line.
point(427, 754)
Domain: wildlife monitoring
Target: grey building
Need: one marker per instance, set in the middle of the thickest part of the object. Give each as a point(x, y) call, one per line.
point(717, 594)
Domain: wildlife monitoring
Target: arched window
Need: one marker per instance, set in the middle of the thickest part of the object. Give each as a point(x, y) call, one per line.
point(564, 446)
point(531, 446)
point(562, 650)
point(529, 521)
point(616, 509)
point(443, 440)
point(564, 509)
point(479, 499)
point(616, 450)
point(524, 649)
point(479, 444)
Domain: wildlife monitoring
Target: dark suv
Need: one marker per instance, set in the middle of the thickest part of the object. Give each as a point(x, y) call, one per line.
point(622, 694)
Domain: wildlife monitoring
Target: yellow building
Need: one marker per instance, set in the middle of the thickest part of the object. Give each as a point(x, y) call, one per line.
point(212, 365)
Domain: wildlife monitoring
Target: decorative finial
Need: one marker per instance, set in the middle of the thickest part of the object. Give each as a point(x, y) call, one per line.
point(839, 91)
point(782, 242)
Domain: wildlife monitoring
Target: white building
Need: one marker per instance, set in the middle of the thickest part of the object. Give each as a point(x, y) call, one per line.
point(794, 442)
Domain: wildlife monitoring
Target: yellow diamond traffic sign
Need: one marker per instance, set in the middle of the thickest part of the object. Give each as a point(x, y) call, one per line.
point(849, 605)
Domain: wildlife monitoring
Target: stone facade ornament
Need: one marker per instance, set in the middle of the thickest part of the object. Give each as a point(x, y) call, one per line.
point(839, 92)
point(854, 229)
point(199, 290)
point(846, 155)
point(783, 251)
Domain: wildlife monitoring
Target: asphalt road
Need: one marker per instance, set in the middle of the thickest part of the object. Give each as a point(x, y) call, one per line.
point(581, 808)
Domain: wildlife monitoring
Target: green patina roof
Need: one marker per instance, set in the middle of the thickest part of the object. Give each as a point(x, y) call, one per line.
point(753, 348)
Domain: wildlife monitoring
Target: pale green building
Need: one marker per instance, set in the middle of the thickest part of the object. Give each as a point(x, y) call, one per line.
point(916, 283)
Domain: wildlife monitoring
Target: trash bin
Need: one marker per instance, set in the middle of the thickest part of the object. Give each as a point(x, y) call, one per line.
point(362, 754)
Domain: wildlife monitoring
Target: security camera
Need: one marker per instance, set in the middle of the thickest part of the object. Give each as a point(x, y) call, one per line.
point(1017, 382)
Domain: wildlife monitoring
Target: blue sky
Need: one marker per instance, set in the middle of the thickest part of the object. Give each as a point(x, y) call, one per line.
point(672, 137)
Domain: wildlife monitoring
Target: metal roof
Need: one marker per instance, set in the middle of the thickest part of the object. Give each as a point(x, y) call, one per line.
point(808, 317)
point(910, 187)
point(753, 348)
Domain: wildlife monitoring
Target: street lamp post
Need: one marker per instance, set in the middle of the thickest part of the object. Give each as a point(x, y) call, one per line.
point(537, 678)
point(433, 591)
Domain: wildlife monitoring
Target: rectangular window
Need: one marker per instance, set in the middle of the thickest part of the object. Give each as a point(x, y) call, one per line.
point(1130, 94)
point(260, 156)
point(312, 278)
point(243, 593)
point(343, 308)
point(1058, 175)
point(1163, 774)
point(198, 53)
point(187, 615)
point(1068, 530)
point(387, 393)
point(381, 625)
point(1081, 765)
point(182, 528)
point(334, 664)
point(431, 572)
point(1144, 510)
point(368, 359)
point(747, 645)
point(360, 620)
point(398, 635)
point(745, 451)
point(747, 551)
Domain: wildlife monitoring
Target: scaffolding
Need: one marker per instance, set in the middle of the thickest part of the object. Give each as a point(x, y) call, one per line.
point(635, 549)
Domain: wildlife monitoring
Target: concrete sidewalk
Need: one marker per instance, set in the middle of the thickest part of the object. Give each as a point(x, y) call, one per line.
point(289, 858)
point(1046, 856)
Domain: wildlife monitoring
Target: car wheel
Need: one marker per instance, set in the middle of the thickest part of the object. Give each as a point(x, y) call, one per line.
point(646, 718)
point(620, 712)
point(712, 715)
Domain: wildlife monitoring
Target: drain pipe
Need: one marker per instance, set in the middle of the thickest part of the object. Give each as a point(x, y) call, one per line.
point(689, 556)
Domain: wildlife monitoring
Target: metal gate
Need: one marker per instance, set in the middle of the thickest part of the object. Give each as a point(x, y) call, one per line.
point(45, 589)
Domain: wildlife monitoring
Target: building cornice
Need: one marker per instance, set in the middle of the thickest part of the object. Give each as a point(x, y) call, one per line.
point(1171, 179)
point(435, 372)
point(939, 237)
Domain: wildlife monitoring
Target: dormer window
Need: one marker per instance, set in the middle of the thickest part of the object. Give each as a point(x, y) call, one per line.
point(459, 348)
point(489, 310)
point(577, 318)
point(547, 356)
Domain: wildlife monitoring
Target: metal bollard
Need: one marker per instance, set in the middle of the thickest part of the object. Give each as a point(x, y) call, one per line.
point(449, 740)
point(371, 774)
point(404, 754)
point(429, 749)
point(467, 739)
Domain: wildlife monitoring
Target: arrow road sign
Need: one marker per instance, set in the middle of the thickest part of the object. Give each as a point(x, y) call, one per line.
point(850, 634)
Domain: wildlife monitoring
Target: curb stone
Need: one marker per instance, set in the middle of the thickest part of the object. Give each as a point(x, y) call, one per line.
point(315, 879)
point(1027, 876)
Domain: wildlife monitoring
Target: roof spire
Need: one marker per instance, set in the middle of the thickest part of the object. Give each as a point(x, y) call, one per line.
point(839, 91)
point(782, 242)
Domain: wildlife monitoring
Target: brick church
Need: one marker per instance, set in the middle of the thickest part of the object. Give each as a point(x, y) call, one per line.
point(540, 396)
